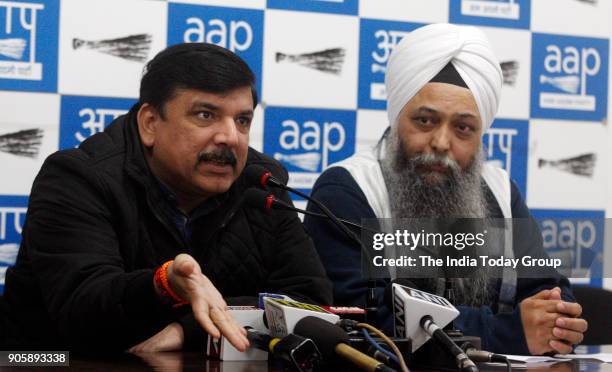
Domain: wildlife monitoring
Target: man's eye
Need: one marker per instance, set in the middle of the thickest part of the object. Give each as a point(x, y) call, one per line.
point(205, 114)
point(244, 121)
point(422, 120)
point(463, 128)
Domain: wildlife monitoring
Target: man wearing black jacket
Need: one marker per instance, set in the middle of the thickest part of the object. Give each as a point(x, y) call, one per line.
point(138, 240)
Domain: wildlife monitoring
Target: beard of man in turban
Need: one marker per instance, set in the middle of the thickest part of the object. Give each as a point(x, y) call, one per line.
point(432, 169)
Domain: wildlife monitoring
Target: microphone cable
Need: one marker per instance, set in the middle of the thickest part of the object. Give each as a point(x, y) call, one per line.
point(367, 327)
point(481, 356)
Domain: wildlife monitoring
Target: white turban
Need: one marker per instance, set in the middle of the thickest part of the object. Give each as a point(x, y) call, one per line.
point(426, 51)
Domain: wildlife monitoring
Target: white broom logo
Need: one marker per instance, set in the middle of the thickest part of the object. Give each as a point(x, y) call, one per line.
point(8, 253)
point(12, 48)
point(309, 161)
point(569, 84)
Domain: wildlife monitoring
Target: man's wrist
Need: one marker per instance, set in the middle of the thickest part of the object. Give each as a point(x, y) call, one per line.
point(163, 288)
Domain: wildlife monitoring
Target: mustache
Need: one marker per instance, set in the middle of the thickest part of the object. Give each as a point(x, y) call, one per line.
point(224, 156)
point(435, 159)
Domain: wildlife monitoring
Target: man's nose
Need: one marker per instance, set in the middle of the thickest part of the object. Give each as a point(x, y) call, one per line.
point(227, 133)
point(441, 139)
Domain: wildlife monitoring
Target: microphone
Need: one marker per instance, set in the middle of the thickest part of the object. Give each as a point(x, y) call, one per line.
point(299, 351)
point(482, 356)
point(463, 362)
point(332, 340)
point(257, 174)
point(260, 199)
point(282, 315)
point(420, 316)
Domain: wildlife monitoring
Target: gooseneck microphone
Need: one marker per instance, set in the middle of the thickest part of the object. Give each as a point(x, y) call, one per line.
point(257, 174)
point(332, 340)
point(258, 198)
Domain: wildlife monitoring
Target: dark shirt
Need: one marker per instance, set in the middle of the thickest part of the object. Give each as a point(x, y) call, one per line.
point(184, 222)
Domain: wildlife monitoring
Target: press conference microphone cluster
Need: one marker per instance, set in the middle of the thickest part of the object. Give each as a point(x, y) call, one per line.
point(332, 340)
point(258, 175)
point(322, 326)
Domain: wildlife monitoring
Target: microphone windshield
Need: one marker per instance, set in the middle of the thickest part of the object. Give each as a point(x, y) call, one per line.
point(324, 334)
point(257, 198)
point(257, 175)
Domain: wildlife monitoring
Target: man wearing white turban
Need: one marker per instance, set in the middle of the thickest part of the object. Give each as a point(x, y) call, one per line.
point(443, 87)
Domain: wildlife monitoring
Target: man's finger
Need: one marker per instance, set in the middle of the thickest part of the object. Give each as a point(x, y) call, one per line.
point(542, 295)
point(200, 312)
point(184, 267)
point(549, 320)
point(555, 294)
point(560, 347)
point(571, 337)
point(569, 308)
point(572, 324)
point(228, 328)
point(550, 306)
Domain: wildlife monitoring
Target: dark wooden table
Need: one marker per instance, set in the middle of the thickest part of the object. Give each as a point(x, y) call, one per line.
point(183, 361)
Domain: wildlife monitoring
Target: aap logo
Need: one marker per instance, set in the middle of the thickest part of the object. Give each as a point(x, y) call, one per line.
point(350, 7)
point(495, 13)
point(239, 30)
point(306, 141)
point(12, 217)
point(82, 117)
point(377, 39)
point(28, 45)
point(575, 236)
point(506, 146)
point(570, 77)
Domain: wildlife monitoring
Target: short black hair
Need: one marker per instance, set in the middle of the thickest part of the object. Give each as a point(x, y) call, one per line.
point(200, 66)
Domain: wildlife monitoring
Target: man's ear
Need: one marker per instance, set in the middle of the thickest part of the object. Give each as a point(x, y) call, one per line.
point(148, 119)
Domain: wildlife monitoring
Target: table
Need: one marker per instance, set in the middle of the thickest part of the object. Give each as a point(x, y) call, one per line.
point(189, 361)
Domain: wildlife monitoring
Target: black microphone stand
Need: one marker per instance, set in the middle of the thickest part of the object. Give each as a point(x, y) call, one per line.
point(371, 305)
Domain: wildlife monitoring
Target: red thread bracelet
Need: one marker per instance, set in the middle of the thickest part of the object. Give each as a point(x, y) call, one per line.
point(161, 281)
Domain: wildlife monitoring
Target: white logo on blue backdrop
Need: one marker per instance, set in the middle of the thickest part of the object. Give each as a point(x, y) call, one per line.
point(12, 217)
point(82, 117)
point(569, 77)
point(496, 13)
point(306, 141)
point(377, 40)
point(28, 45)
point(239, 30)
point(350, 7)
point(506, 146)
point(576, 236)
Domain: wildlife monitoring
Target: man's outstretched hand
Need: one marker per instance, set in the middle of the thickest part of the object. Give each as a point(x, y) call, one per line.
point(209, 308)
